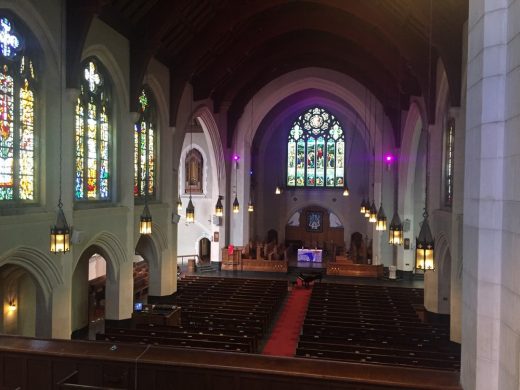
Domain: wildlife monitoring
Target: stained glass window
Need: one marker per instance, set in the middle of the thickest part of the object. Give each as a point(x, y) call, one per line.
point(449, 161)
point(18, 100)
point(316, 151)
point(93, 135)
point(145, 148)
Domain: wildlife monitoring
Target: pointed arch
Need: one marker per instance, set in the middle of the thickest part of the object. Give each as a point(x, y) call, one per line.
point(145, 146)
point(39, 265)
point(213, 140)
point(110, 248)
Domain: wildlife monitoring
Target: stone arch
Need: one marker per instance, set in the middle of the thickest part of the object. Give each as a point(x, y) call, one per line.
point(182, 176)
point(107, 59)
point(110, 248)
point(35, 22)
point(335, 83)
point(162, 124)
point(197, 241)
point(213, 140)
point(45, 272)
point(45, 276)
point(330, 208)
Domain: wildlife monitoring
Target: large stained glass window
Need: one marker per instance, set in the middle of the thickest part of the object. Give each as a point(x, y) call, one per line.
point(316, 151)
point(145, 148)
point(449, 161)
point(17, 117)
point(92, 181)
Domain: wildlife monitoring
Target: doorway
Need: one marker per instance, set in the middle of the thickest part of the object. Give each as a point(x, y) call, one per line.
point(204, 250)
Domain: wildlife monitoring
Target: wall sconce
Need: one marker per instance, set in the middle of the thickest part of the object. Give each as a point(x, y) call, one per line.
point(12, 306)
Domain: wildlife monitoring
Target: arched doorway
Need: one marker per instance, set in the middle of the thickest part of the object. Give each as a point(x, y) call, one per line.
point(144, 256)
point(88, 298)
point(204, 250)
point(23, 304)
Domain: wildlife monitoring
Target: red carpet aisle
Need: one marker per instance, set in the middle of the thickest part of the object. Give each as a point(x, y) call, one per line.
point(286, 331)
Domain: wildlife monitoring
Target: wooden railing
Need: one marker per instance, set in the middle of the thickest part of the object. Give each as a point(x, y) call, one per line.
point(48, 364)
point(196, 257)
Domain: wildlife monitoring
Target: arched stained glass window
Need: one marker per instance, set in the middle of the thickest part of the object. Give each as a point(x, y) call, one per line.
point(449, 161)
point(193, 172)
point(17, 117)
point(316, 151)
point(145, 147)
point(93, 135)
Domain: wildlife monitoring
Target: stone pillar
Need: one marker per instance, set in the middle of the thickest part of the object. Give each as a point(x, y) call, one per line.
point(484, 196)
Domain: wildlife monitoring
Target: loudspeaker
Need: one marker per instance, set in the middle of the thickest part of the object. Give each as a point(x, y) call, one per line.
point(217, 221)
point(406, 225)
point(76, 237)
point(175, 218)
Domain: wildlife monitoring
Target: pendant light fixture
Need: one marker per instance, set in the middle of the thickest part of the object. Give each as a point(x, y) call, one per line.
point(362, 208)
point(381, 216)
point(145, 222)
point(395, 231)
point(60, 232)
point(372, 216)
point(179, 205)
point(250, 206)
point(236, 205)
point(219, 208)
point(346, 190)
point(381, 219)
point(372, 213)
point(278, 190)
point(425, 243)
point(190, 210)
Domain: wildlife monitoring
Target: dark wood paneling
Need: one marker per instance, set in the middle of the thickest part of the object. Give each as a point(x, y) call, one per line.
point(171, 368)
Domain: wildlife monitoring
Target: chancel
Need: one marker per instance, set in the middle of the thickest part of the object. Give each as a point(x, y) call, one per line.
point(262, 194)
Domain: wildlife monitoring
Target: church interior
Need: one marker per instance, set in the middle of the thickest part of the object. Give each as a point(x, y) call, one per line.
point(311, 194)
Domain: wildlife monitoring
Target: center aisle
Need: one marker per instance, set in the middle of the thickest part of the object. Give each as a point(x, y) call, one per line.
point(285, 334)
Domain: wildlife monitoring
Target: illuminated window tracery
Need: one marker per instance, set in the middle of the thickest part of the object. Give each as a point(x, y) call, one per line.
point(93, 165)
point(145, 148)
point(17, 117)
point(316, 151)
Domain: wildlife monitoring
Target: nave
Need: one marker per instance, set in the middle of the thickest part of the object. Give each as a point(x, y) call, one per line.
point(372, 324)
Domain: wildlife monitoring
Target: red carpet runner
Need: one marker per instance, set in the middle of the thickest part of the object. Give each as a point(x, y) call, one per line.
point(286, 331)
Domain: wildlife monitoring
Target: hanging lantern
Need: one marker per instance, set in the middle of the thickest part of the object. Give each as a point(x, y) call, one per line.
point(395, 233)
point(236, 205)
point(346, 191)
point(60, 233)
point(190, 212)
point(250, 207)
point(372, 214)
point(145, 223)
point(277, 190)
point(179, 205)
point(424, 247)
point(362, 208)
point(219, 208)
point(367, 209)
point(381, 219)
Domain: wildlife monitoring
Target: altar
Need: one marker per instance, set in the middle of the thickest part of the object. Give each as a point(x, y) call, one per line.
point(310, 255)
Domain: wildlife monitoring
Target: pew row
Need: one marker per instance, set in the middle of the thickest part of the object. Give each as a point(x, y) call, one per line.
point(42, 364)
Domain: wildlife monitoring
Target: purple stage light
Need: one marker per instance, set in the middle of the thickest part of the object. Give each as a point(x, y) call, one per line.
point(389, 158)
point(236, 157)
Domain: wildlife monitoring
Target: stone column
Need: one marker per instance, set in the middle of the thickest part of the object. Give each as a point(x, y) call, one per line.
point(484, 195)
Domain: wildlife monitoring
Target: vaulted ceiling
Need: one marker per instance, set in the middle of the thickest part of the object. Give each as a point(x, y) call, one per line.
point(229, 49)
